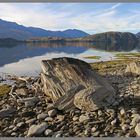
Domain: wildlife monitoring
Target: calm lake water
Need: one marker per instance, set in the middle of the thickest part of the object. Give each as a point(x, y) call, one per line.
point(25, 59)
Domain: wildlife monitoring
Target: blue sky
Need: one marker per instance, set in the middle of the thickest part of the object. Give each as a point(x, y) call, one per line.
point(89, 17)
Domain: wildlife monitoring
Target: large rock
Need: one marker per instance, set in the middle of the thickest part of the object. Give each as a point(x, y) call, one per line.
point(133, 68)
point(35, 130)
point(29, 102)
point(72, 83)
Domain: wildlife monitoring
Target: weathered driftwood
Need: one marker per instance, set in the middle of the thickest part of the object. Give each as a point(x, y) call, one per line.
point(133, 68)
point(72, 83)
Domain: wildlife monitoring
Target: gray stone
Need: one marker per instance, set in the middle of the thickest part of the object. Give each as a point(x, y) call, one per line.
point(48, 119)
point(96, 134)
point(137, 129)
point(83, 118)
point(48, 132)
point(75, 118)
point(30, 121)
point(11, 126)
point(7, 112)
point(86, 132)
point(15, 128)
point(13, 134)
point(20, 124)
point(42, 116)
point(135, 120)
point(100, 113)
point(5, 129)
point(60, 118)
point(37, 129)
point(113, 122)
point(122, 111)
point(52, 113)
point(110, 111)
point(115, 103)
point(50, 107)
point(28, 113)
point(22, 91)
point(93, 129)
point(16, 120)
point(21, 85)
point(29, 102)
point(125, 127)
point(57, 134)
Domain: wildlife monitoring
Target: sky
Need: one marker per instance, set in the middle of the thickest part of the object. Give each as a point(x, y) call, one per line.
point(89, 17)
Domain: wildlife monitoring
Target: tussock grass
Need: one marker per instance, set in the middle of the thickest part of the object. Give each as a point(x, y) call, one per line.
point(92, 57)
point(4, 89)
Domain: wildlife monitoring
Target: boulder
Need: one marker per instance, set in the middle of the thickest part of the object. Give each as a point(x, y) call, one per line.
point(133, 68)
point(35, 130)
point(29, 102)
point(73, 83)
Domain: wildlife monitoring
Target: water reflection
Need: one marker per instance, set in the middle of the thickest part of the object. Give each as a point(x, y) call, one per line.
point(24, 59)
point(96, 45)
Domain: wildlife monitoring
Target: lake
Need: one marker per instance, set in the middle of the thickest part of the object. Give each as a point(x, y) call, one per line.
point(25, 59)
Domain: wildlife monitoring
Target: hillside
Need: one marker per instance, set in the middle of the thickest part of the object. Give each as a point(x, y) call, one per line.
point(8, 41)
point(113, 37)
point(124, 39)
point(138, 34)
point(20, 32)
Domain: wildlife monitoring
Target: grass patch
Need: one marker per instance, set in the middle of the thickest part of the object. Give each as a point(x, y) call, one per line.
point(92, 57)
point(106, 64)
point(4, 89)
point(128, 55)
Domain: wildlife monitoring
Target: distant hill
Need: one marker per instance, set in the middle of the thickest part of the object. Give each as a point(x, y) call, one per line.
point(107, 40)
point(9, 42)
point(117, 38)
point(20, 32)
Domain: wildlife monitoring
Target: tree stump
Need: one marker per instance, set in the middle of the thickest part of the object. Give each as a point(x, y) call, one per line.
point(73, 83)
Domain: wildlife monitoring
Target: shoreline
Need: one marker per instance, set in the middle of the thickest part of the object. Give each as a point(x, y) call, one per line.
point(117, 120)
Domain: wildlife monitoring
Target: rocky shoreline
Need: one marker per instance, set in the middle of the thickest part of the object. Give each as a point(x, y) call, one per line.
point(30, 113)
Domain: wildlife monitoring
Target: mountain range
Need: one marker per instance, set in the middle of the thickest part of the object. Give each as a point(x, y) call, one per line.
point(13, 30)
point(138, 34)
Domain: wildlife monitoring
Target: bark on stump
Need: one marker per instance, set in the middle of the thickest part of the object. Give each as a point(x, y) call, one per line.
point(73, 83)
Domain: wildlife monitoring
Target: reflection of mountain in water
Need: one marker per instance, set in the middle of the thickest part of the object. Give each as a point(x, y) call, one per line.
point(96, 45)
point(16, 53)
point(114, 47)
point(12, 54)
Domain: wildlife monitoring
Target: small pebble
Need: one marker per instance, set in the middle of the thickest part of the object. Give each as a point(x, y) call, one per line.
point(48, 132)
point(122, 111)
point(93, 129)
point(52, 113)
point(83, 118)
point(48, 119)
point(30, 121)
point(41, 116)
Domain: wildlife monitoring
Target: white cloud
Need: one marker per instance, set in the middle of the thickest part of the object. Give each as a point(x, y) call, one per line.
point(115, 6)
point(33, 15)
point(48, 17)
